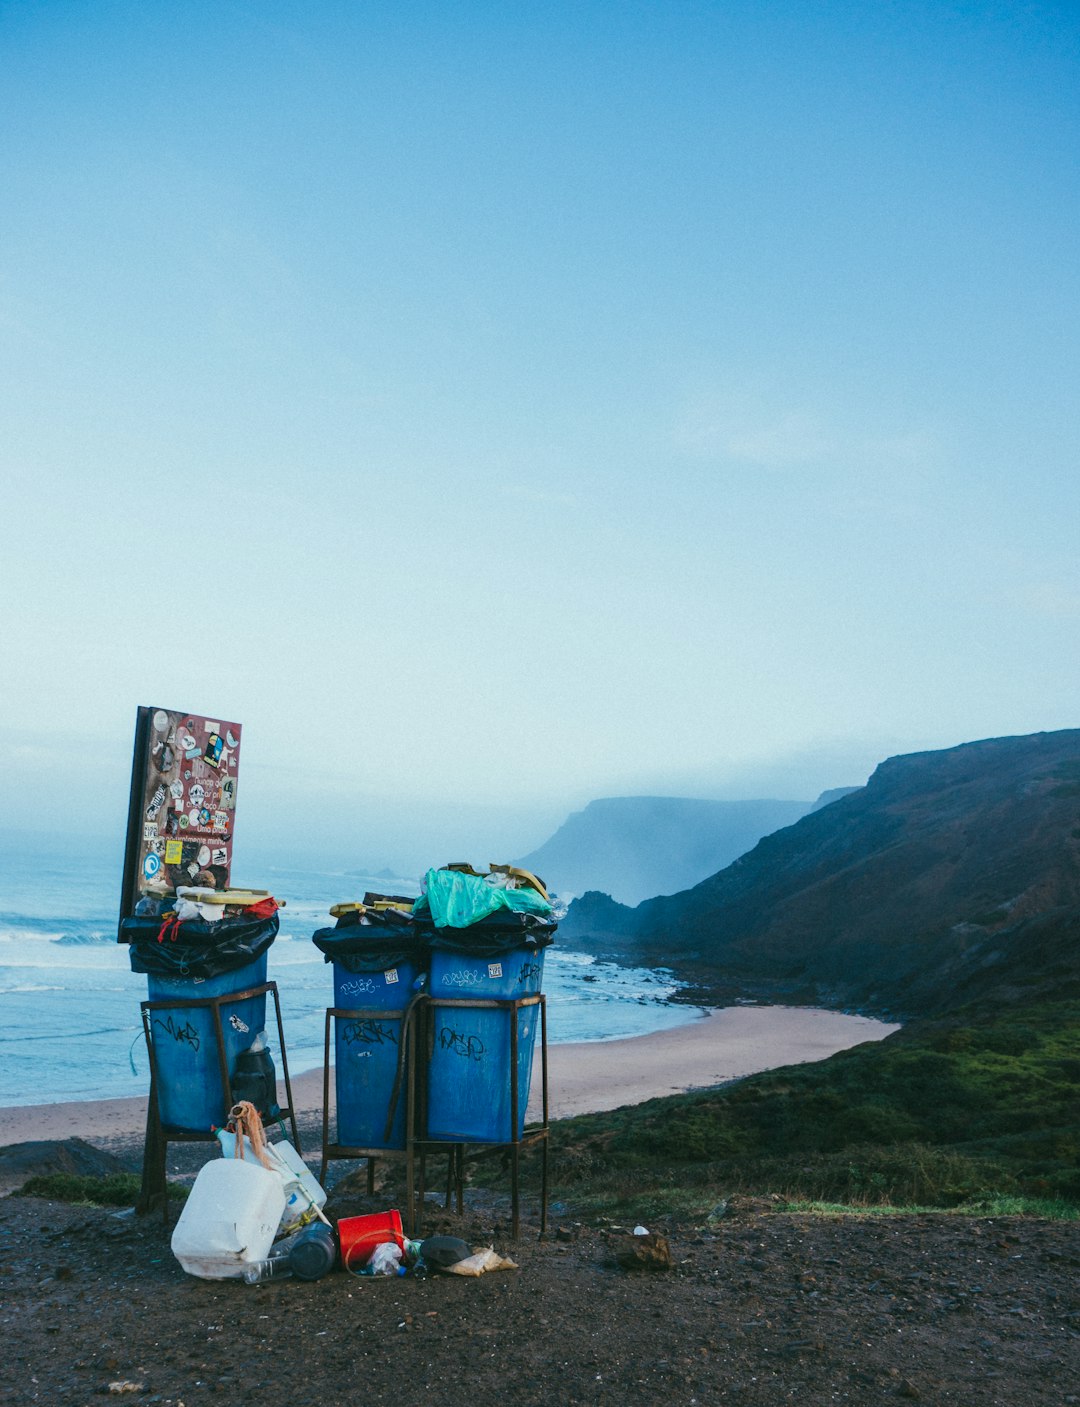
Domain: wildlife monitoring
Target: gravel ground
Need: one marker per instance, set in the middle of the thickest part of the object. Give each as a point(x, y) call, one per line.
point(764, 1307)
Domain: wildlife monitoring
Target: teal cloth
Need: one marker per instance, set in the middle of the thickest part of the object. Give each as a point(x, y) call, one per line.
point(456, 900)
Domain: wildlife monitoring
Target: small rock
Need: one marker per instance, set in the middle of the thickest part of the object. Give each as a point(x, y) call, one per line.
point(648, 1252)
point(123, 1385)
point(908, 1389)
point(564, 1233)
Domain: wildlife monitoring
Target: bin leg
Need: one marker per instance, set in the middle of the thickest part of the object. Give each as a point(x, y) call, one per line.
point(543, 1186)
point(285, 1069)
point(421, 1195)
point(153, 1192)
point(325, 1101)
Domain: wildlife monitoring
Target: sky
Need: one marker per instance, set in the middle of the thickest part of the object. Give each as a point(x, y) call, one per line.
point(494, 407)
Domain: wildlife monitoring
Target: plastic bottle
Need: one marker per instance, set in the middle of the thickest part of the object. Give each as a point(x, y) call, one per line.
point(272, 1268)
point(275, 1265)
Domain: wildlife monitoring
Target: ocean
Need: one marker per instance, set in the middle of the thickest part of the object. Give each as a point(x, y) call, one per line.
point(70, 1027)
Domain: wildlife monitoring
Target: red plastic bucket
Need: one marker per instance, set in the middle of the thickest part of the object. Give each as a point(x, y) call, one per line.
point(359, 1235)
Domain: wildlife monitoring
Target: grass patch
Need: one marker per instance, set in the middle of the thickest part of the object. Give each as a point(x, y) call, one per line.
point(115, 1190)
point(1041, 1207)
point(973, 1113)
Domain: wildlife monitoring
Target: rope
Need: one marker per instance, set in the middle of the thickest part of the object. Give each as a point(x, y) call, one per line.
point(244, 1119)
point(170, 928)
point(141, 1036)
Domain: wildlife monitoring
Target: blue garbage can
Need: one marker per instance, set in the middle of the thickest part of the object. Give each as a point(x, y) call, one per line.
point(469, 1080)
point(195, 961)
point(377, 971)
point(190, 1092)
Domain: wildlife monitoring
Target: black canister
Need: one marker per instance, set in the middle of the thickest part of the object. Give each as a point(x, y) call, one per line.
point(313, 1253)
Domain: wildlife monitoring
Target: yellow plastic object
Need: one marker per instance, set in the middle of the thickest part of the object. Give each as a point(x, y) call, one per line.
point(340, 910)
point(463, 867)
point(525, 876)
point(388, 901)
point(236, 898)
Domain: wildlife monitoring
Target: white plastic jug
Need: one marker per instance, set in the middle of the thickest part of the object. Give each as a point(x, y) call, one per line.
point(229, 1219)
point(302, 1189)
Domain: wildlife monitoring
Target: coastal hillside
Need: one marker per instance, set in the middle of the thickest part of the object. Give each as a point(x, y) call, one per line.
point(633, 847)
point(950, 876)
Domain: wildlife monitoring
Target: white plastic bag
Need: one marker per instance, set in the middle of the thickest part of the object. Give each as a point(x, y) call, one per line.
point(385, 1259)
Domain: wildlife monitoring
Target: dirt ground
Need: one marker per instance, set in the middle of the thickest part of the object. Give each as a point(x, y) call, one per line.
point(762, 1307)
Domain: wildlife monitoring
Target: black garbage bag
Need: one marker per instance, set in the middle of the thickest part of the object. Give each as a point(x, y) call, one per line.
point(497, 933)
point(439, 1252)
point(196, 948)
point(255, 1079)
point(369, 947)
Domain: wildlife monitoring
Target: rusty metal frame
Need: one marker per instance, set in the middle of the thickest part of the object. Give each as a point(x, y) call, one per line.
point(159, 1135)
point(346, 1150)
point(418, 1145)
point(537, 1133)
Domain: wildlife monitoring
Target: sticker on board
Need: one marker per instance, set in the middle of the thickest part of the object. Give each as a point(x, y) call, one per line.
point(183, 791)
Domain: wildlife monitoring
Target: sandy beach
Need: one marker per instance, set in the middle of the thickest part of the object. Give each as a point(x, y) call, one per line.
point(584, 1077)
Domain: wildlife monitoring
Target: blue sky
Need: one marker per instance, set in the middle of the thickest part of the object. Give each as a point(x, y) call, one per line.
point(501, 406)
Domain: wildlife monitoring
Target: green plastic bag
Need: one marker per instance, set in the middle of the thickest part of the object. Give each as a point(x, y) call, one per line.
point(456, 900)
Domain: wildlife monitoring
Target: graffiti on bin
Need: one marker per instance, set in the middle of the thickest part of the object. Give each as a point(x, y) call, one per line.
point(358, 984)
point(462, 977)
point(468, 1047)
point(183, 1035)
point(529, 971)
point(368, 1031)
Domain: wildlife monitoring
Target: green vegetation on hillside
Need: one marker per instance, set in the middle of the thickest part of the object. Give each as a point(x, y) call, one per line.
point(982, 1107)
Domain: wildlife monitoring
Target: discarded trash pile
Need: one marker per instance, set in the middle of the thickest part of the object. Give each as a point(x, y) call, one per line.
point(437, 1003)
point(458, 971)
point(256, 1214)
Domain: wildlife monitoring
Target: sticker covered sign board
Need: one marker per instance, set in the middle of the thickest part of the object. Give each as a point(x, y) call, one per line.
point(183, 803)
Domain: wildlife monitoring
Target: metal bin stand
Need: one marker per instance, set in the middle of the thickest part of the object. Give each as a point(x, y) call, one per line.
point(158, 1135)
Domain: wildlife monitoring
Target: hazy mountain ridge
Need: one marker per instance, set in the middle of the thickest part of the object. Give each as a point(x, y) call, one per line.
point(634, 847)
point(948, 873)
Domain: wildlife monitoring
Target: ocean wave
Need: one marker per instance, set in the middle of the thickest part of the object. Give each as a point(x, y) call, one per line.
point(81, 939)
point(22, 935)
point(45, 926)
